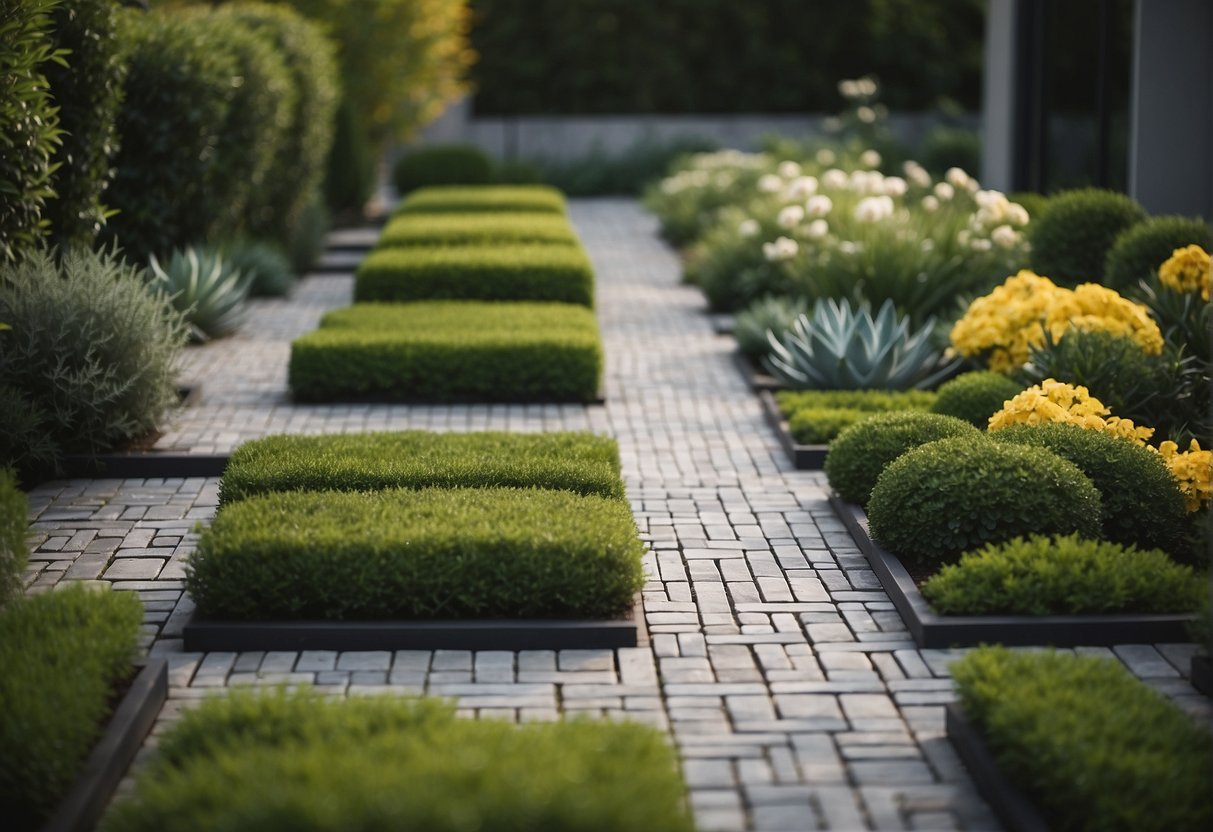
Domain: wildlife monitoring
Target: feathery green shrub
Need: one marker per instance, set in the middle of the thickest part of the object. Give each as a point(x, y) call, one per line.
point(975, 396)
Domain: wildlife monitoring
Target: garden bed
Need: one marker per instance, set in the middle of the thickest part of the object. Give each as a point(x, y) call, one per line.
point(130, 723)
point(804, 457)
point(931, 630)
point(1014, 810)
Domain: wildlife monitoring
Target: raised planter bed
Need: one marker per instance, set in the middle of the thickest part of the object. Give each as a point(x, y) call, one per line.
point(81, 809)
point(520, 634)
point(754, 377)
point(1202, 673)
point(932, 630)
point(1014, 810)
point(804, 457)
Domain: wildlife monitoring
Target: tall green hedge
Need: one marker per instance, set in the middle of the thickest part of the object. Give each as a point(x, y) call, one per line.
point(88, 92)
point(678, 56)
point(29, 123)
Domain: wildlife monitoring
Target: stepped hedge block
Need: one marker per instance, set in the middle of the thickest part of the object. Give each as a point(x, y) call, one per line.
point(498, 198)
point(477, 229)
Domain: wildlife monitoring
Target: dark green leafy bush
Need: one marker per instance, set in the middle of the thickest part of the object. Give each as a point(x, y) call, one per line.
point(975, 397)
point(350, 179)
point(871, 401)
point(169, 188)
point(1141, 503)
point(25, 442)
point(91, 350)
point(944, 498)
point(767, 314)
point(1072, 236)
point(454, 164)
point(451, 351)
point(306, 242)
point(532, 271)
point(62, 655)
point(1091, 746)
point(501, 198)
point(476, 228)
point(88, 92)
point(1063, 576)
point(1142, 248)
point(578, 462)
point(517, 173)
point(299, 761)
point(283, 209)
point(861, 452)
point(418, 554)
point(263, 264)
point(13, 550)
point(29, 123)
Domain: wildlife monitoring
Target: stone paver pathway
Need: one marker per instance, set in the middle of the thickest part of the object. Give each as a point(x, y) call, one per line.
point(795, 696)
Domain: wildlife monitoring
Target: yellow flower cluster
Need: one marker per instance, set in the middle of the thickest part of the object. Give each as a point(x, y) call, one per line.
point(1056, 401)
point(1193, 470)
point(1015, 317)
point(1188, 269)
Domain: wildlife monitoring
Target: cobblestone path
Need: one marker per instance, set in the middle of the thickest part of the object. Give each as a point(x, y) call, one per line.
point(794, 694)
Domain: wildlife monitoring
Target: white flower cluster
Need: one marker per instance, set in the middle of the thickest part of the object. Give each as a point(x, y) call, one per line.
point(857, 88)
point(784, 248)
point(996, 222)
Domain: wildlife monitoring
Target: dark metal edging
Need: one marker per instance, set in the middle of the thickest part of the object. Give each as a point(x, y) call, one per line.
point(1015, 811)
point(804, 457)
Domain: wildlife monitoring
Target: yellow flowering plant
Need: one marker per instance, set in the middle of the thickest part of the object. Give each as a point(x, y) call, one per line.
point(1188, 270)
point(1056, 401)
point(1193, 470)
point(1006, 324)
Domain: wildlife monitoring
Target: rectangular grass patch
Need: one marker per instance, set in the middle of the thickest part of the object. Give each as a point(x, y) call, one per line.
point(446, 351)
point(488, 198)
point(276, 761)
point(422, 554)
point(579, 462)
point(477, 228)
point(530, 271)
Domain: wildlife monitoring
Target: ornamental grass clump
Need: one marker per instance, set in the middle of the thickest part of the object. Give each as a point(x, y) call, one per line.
point(975, 397)
point(487, 198)
point(1088, 744)
point(1139, 250)
point(1142, 504)
point(1074, 233)
point(476, 228)
point(579, 462)
point(1064, 575)
point(300, 761)
point(860, 452)
point(410, 554)
point(944, 498)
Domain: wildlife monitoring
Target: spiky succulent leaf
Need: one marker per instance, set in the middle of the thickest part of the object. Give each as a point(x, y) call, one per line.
point(204, 288)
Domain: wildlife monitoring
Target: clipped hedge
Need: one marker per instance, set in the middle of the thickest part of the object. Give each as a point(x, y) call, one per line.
point(476, 228)
point(859, 453)
point(1141, 502)
point(975, 397)
point(62, 655)
point(869, 401)
point(818, 425)
point(299, 761)
point(579, 462)
point(946, 497)
point(450, 351)
point(476, 272)
point(1091, 746)
point(498, 198)
point(418, 554)
point(1063, 575)
point(451, 164)
point(14, 553)
point(1073, 234)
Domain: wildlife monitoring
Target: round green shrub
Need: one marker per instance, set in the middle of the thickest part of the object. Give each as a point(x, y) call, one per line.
point(944, 498)
point(774, 314)
point(975, 397)
point(1071, 237)
point(860, 452)
point(1032, 202)
point(1063, 575)
point(452, 164)
point(90, 348)
point(1142, 248)
point(1142, 505)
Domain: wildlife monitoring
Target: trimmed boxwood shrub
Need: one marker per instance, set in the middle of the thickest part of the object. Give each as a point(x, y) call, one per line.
point(450, 351)
point(1071, 237)
point(975, 397)
point(418, 554)
point(944, 498)
point(818, 425)
point(1063, 575)
point(452, 164)
point(497, 198)
point(1091, 746)
point(14, 553)
point(292, 761)
point(578, 462)
point(476, 228)
point(1141, 502)
point(869, 401)
point(860, 452)
point(1142, 248)
point(476, 272)
point(62, 656)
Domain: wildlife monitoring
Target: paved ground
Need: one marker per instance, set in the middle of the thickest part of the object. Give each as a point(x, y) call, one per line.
point(791, 689)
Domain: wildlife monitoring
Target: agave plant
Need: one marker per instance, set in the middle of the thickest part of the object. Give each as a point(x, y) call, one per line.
point(841, 348)
point(208, 292)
